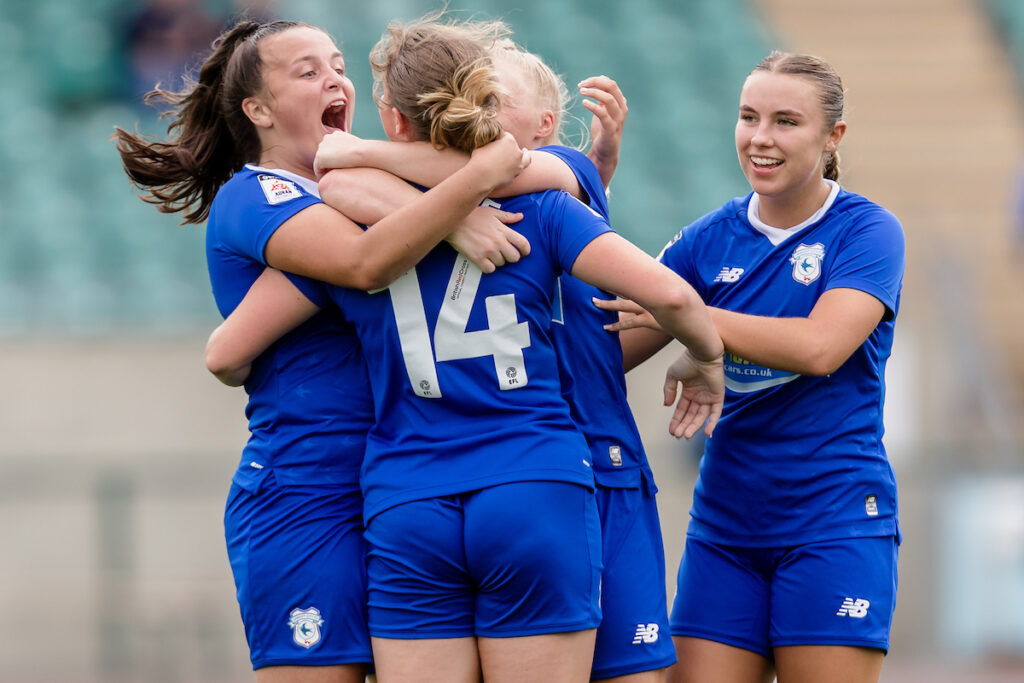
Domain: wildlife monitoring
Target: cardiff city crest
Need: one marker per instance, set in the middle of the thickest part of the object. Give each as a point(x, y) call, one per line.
point(806, 260)
point(305, 624)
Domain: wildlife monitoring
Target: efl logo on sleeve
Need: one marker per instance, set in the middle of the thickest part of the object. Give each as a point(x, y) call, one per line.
point(278, 189)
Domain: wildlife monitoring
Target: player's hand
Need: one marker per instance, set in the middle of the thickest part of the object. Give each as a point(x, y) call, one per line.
point(631, 314)
point(498, 162)
point(485, 238)
point(700, 401)
point(608, 105)
point(337, 150)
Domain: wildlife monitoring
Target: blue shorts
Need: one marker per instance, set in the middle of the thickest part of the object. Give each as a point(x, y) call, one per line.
point(839, 592)
point(634, 633)
point(299, 561)
point(517, 559)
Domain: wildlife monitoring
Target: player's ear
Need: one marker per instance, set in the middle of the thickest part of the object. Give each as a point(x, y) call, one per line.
point(547, 125)
point(257, 111)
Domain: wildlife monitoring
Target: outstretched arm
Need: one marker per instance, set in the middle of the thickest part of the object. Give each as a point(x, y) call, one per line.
point(816, 345)
point(616, 265)
point(271, 308)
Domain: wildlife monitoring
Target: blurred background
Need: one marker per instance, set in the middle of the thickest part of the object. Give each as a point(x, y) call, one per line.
point(116, 446)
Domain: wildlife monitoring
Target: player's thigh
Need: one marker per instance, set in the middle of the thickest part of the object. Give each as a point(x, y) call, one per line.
point(838, 592)
point(299, 561)
point(534, 551)
point(562, 657)
point(723, 594)
point(706, 661)
point(828, 664)
point(440, 660)
point(419, 586)
point(634, 636)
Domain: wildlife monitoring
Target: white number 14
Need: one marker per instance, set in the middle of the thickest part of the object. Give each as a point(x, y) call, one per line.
point(504, 339)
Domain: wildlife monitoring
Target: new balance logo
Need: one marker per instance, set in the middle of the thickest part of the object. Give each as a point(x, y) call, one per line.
point(728, 274)
point(646, 633)
point(858, 609)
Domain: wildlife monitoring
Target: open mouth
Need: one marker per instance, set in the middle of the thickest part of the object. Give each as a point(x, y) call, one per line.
point(764, 163)
point(334, 116)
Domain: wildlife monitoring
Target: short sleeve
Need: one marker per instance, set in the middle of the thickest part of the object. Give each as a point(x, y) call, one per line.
point(872, 258)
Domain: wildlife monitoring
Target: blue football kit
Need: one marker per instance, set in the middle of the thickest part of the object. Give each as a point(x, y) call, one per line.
point(795, 460)
point(468, 400)
point(293, 521)
point(634, 633)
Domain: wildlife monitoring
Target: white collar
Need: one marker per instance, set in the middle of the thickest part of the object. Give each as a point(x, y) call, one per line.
point(306, 184)
point(779, 235)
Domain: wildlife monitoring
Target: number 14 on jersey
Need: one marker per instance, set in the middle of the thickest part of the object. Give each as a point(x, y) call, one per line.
point(503, 340)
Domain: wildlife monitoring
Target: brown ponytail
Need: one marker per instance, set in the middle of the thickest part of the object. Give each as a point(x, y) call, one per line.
point(830, 91)
point(440, 77)
point(210, 136)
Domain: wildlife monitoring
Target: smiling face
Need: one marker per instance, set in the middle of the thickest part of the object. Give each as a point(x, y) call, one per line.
point(306, 95)
point(781, 141)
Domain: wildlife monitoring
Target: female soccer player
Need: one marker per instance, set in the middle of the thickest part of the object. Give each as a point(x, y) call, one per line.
point(482, 526)
point(790, 556)
point(247, 134)
point(632, 643)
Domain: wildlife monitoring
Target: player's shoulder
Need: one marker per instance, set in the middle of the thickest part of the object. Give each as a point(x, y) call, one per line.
point(726, 216)
point(570, 155)
point(858, 207)
point(262, 186)
point(733, 212)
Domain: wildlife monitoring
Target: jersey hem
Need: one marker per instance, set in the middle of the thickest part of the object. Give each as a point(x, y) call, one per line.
point(375, 507)
point(879, 528)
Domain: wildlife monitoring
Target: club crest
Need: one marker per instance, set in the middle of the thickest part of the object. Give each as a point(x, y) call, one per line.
point(806, 260)
point(305, 624)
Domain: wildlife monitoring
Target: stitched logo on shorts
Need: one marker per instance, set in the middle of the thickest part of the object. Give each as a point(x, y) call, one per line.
point(858, 609)
point(305, 624)
point(646, 633)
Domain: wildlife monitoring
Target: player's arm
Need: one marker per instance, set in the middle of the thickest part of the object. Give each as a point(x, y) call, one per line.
point(816, 345)
point(272, 307)
point(320, 243)
point(614, 264)
point(367, 195)
point(423, 164)
point(609, 108)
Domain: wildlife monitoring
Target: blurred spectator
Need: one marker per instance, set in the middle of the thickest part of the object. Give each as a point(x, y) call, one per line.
point(163, 39)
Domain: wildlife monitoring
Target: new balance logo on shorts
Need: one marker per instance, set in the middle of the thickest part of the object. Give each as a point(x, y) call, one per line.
point(646, 633)
point(857, 609)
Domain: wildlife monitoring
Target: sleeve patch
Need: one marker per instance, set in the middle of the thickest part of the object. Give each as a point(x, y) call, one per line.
point(277, 189)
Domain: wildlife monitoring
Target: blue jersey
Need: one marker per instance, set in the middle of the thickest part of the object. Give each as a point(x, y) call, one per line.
point(309, 399)
point(590, 359)
point(796, 459)
point(463, 368)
